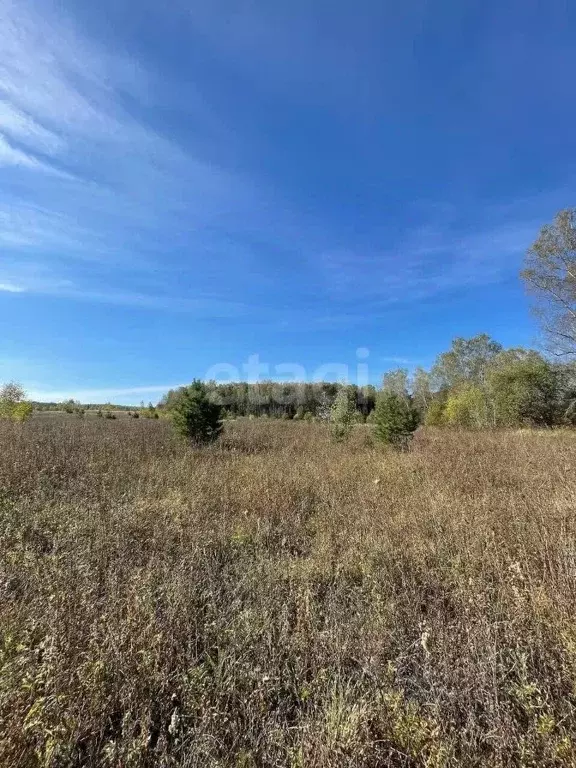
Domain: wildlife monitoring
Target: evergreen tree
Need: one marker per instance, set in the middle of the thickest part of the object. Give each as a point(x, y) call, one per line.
point(395, 418)
point(195, 416)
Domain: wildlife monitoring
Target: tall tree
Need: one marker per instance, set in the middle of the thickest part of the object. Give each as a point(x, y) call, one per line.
point(550, 275)
point(421, 390)
point(396, 381)
point(465, 362)
point(525, 389)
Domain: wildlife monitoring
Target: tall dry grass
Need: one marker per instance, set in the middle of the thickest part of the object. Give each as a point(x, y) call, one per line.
point(279, 600)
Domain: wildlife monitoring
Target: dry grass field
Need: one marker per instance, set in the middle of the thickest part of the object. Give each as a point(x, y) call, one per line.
point(281, 600)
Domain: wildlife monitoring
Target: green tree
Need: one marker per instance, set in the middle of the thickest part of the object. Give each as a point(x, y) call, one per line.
point(22, 411)
point(13, 404)
point(434, 416)
point(550, 275)
point(342, 413)
point(467, 407)
point(395, 418)
point(465, 362)
point(396, 381)
point(524, 389)
point(195, 416)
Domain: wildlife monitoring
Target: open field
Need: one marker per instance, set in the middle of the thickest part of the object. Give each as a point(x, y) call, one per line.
point(280, 600)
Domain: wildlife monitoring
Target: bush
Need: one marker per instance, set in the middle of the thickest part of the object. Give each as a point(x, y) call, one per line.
point(150, 412)
point(195, 416)
point(570, 414)
point(395, 419)
point(342, 414)
point(468, 408)
point(435, 413)
point(526, 391)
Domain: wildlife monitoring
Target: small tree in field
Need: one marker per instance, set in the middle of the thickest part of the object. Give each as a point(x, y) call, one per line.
point(13, 405)
point(342, 414)
point(195, 416)
point(395, 419)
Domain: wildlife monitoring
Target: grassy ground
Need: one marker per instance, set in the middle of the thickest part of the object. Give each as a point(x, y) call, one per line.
point(279, 600)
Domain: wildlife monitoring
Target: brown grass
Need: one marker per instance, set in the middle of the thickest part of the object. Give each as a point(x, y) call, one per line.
point(279, 600)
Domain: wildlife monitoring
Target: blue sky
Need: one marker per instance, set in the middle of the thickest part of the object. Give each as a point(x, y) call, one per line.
point(185, 185)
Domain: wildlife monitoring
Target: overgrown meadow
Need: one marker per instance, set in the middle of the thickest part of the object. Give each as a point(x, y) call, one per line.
point(279, 599)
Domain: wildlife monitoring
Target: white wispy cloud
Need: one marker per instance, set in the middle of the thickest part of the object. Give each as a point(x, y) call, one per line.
point(18, 125)
point(11, 156)
point(11, 288)
point(97, 205)
point(88, 183)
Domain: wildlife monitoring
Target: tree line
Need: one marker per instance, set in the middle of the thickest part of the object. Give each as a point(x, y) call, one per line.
point(272, 399)
point(474, 384)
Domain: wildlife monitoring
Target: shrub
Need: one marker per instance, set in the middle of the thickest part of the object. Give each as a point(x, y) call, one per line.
point(395, 419)
point(195, 416)
point(435, 413)
point(525, 391)
point(299, 415)
point(22, 411)
point(150, 412)
point(342, 414)
point(468, 407)
point(570, 414)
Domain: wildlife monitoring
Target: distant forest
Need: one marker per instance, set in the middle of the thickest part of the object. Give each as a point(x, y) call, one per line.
point(476, 383)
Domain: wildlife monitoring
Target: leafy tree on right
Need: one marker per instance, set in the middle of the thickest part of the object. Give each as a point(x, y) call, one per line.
point(550, 275)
